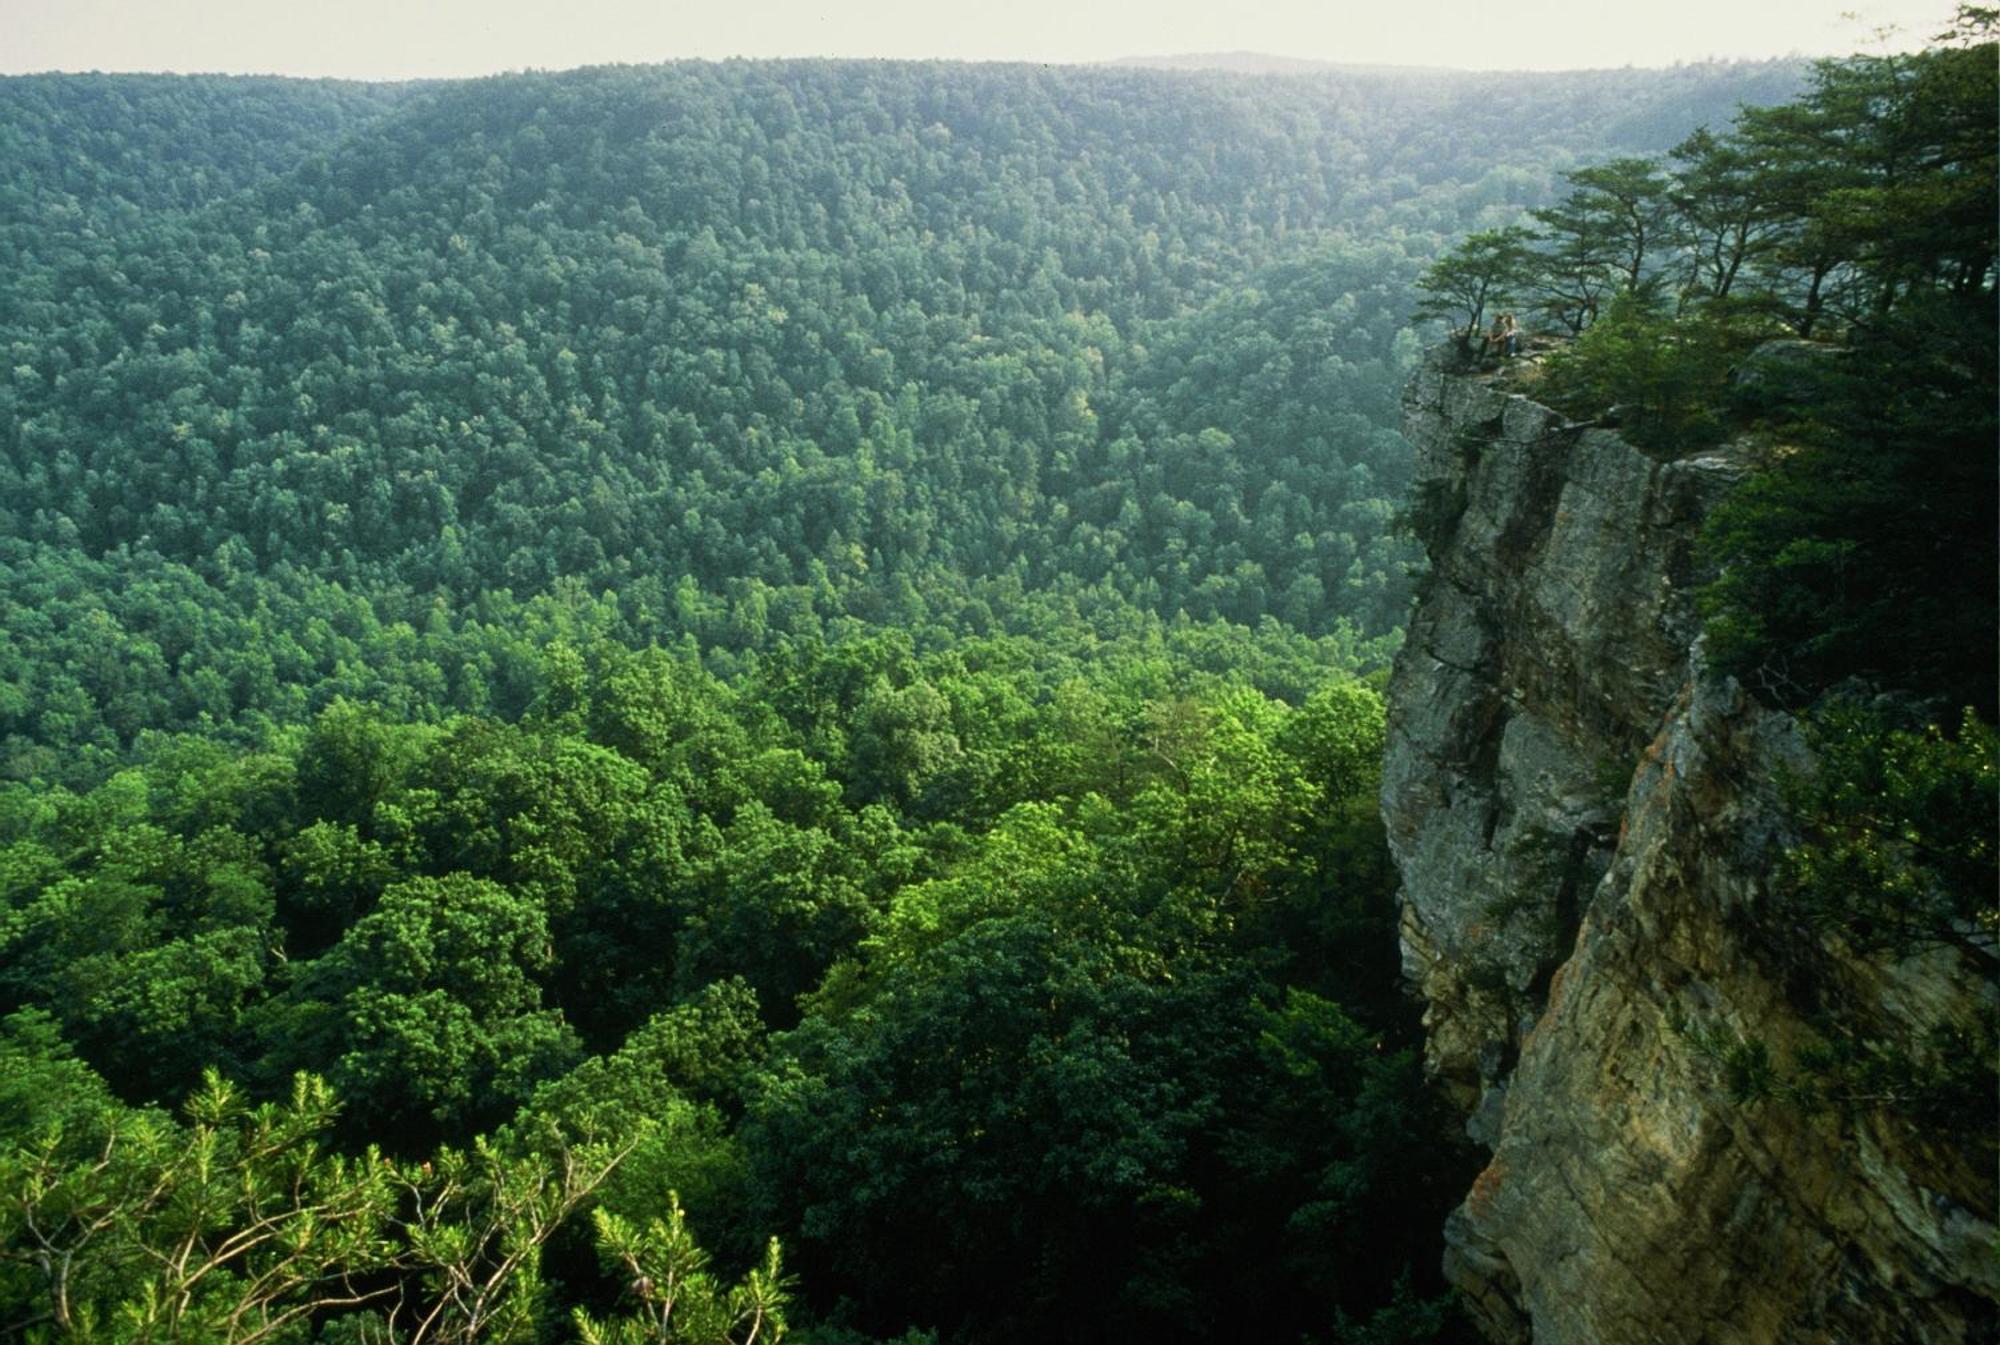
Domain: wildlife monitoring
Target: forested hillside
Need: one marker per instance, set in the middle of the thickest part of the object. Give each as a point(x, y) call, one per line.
point(608, 664)
point(755, 347)
point(77, 148)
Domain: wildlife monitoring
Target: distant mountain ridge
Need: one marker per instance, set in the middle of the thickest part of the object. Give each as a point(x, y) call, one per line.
point(1264, 63)
point(1269, 63)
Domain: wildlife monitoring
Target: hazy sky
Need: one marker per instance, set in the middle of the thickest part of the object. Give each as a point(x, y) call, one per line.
point(395, 39)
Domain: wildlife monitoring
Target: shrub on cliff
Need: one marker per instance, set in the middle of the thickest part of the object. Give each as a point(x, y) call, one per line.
point(1668, 377)
point(1867, 551)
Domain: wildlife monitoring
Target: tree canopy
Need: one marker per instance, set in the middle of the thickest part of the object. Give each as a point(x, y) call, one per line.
point(598, 669)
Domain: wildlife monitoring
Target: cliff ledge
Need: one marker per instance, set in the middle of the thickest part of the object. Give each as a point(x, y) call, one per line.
point(1584, 823)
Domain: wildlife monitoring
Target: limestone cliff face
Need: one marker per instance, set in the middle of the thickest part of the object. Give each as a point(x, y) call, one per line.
point(1584, 823)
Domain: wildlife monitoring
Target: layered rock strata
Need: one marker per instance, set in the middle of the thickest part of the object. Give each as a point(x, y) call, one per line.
point(1585, 825)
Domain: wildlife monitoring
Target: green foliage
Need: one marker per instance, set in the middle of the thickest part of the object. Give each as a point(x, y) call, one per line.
point(1407, 1320)
point(1864, 550)
point(1899, 849)
point(1664, 380)
point(1598, 240)
point(242, 1225)
point(1942, 1079)
point(1871, 188)
point(44, 1086)
point(1744, 1064)
point(679, 1301)
point(123, 1225)
point(427, 1013)
point(1488, 269)
point(1085, 1047)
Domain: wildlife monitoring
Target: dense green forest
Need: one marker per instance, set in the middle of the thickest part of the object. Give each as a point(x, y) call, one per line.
point(598, 669)
point(759, 349)
point(1020, 1007)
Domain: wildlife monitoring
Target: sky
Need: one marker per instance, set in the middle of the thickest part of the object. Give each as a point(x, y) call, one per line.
point(402, 39)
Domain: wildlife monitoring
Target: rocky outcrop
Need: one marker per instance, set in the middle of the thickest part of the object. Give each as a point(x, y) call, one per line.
point(1585, 823)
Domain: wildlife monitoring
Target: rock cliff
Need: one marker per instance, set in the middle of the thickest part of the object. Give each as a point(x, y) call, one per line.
point(1585, 823)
